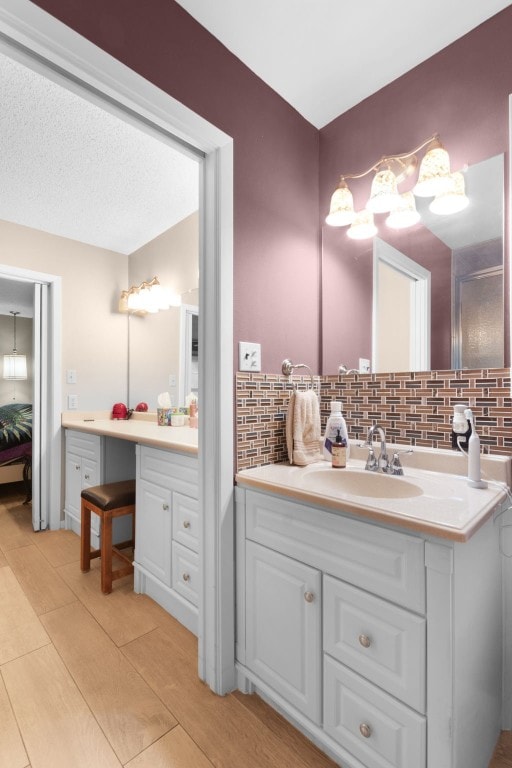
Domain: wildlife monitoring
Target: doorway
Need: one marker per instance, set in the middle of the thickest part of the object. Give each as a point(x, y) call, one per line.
point(38, 40)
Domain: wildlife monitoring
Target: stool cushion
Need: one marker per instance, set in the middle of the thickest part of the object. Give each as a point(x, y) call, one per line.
point(111, 495)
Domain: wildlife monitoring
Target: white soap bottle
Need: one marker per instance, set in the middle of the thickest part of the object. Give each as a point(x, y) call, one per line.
point(334, 422)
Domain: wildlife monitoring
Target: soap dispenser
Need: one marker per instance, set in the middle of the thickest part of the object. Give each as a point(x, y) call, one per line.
point(461, 428)
point(339, 452)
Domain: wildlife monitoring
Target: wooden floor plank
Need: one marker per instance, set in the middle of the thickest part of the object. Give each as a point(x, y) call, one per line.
point(11, 534)
point(123, 615)
point(57, 726)
point(128, 711)
point(227, 732)
point(41, 583)
point(59, 547)
point(20, 629)
point(174, 750)
point(12, 751)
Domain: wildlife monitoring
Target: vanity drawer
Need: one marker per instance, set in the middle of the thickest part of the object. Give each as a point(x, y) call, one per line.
point(185, 521)
point(376, 728)
point(185, 573)
point(169, 470)
point(387, 563)
point(84, 445)
point(382, 642)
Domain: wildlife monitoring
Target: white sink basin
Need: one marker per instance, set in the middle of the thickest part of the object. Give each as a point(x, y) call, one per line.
point(351, 482)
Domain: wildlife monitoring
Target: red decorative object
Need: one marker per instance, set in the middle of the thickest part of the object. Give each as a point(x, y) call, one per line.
point(141, 407)
point(119, 411)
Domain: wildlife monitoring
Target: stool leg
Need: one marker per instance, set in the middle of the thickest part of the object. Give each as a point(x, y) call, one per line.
point(106, 553)
point(85, 537)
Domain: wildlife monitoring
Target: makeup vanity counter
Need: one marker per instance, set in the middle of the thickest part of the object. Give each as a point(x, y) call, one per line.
point(374, 622)
point(163, 461)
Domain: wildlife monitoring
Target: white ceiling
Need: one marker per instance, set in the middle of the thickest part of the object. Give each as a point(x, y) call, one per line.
point(325, 56)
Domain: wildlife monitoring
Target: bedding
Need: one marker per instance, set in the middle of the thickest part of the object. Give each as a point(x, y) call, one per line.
point(16, 444)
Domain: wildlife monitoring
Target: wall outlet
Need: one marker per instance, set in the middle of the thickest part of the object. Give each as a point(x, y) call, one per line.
point(364, 365)
point(172, 380)
point(72, 402)
point(249, 356)
point(71, 376)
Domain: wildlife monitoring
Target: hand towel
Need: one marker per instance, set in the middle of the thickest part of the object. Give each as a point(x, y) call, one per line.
point(303, 435)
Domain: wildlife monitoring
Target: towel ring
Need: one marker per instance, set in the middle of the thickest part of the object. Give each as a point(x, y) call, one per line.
point(288, 367)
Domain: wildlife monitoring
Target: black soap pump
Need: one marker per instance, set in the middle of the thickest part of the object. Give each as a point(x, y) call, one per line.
point(339, 452)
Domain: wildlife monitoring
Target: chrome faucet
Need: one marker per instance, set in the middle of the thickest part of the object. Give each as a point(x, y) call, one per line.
point(382, 463)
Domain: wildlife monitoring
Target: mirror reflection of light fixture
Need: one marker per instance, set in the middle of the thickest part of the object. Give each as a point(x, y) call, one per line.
point(434, 180)
point(363, 226)
point(147, 298)
point(15, 365)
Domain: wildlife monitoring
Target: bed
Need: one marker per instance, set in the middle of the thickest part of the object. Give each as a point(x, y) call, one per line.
point(16, 445)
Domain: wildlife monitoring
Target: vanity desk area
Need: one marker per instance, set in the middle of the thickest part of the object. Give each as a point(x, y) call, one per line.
point(369, 607)
point(163, 461)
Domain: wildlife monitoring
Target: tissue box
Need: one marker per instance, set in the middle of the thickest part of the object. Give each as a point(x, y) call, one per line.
point(163, 416)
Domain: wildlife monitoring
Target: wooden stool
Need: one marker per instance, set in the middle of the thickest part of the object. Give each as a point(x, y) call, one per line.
point(107, 501)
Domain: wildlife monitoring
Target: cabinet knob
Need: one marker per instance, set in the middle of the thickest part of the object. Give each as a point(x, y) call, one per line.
point(87, 477)
point(186, 523)
point(365, 641)
point(165, 506)
point(77, 466)
point(309, 597)
point(365, 730)
point(185, 577)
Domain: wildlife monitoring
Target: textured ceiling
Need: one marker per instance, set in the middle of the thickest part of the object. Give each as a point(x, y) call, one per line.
point(325, 56)
point(70, 168)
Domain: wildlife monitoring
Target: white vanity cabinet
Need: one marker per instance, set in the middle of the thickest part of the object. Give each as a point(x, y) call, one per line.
point(91, 460)
point(383, 646)
point(166, 531)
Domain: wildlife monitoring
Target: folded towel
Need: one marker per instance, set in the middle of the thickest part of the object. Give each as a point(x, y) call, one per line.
point(303, 434)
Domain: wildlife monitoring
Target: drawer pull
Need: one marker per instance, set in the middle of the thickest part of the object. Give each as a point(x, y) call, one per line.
point(185, 577)
point(365, 641)
point(309, 597)
point(165, 506)
point(365, 730)
point(186, 523)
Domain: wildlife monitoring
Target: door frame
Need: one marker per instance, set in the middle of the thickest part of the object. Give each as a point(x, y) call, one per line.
point(46, 442)
point(41, 42)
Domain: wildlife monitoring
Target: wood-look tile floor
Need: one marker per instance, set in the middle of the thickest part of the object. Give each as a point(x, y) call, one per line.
point(100, 681)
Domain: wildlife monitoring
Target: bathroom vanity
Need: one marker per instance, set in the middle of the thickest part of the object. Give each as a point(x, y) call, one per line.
point(163, 461)
point(371, 615)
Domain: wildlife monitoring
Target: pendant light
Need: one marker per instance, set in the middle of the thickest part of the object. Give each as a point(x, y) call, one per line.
point(15, 365)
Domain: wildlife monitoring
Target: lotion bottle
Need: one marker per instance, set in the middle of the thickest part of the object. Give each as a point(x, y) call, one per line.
point(339, 452)
point(335, 422)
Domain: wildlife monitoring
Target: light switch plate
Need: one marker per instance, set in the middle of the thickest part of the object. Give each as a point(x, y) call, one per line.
point(71, 376)
point(249, 356)
point(72, 402)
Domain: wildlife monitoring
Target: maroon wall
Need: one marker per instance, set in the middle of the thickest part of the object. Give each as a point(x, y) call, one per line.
point(461, 93)
point(276, 249)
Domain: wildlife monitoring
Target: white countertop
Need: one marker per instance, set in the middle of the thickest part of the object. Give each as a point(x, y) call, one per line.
point(442, 505)
point(140, 428)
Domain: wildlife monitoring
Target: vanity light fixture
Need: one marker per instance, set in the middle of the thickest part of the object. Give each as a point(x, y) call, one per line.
point(148, 297)
point(434, 180)
point(15, 365)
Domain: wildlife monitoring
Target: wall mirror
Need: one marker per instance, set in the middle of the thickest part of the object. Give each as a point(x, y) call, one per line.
point(448, 271)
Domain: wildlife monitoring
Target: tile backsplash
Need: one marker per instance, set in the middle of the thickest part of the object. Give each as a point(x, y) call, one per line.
point(413, 408)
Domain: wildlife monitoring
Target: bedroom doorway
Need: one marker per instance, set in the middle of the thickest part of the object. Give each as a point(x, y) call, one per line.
point(46, 461)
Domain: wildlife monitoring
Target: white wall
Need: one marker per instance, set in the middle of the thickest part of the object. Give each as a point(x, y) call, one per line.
point(173, 257)
point(94, 334)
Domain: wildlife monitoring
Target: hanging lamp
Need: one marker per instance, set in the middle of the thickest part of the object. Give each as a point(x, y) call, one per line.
point(15, 365)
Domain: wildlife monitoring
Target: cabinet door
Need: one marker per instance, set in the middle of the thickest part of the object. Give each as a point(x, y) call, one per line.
point(153, 520)
point(283, 632)
point(73, 482)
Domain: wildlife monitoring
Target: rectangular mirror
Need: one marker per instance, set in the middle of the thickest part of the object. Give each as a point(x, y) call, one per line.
point(446, 322)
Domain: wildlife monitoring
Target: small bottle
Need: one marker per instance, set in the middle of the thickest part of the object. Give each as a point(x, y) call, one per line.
point(335, 422)
point(461, 428)
point(339, 452)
